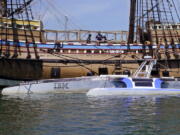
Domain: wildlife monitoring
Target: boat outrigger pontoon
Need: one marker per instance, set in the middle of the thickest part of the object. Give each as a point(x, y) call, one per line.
point(141, 84)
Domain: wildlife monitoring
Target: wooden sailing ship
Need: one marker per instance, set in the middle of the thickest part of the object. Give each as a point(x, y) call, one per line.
point(29, 52)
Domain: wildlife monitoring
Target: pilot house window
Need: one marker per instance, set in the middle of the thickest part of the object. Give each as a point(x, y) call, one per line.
point(143, 84)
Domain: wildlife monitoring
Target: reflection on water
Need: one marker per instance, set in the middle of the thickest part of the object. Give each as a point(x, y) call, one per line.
point(75, 114)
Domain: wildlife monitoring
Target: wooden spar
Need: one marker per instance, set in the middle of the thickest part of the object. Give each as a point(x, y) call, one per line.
point(132, 21)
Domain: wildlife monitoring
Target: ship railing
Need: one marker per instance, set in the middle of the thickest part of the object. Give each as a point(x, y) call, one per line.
point(82, 36)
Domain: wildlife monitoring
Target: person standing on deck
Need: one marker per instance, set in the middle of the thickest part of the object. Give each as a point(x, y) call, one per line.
point(99, 38)
point(89, 38)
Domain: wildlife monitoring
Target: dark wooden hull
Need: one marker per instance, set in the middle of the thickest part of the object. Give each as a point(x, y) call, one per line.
point(24, 69)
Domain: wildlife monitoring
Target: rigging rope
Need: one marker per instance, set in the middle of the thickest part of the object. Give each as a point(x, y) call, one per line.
point(31, 32)
point(26, 35)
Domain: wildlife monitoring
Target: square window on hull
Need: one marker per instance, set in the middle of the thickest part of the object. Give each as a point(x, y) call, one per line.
point(103, 71)
point(143, 84)
point(55, 73)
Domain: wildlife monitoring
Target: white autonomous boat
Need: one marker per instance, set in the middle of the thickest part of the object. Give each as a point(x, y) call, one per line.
point(138, 87)
point(140, 84)
point(73, 85)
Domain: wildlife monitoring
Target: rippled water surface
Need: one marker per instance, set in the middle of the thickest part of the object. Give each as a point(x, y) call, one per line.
point(76, 114)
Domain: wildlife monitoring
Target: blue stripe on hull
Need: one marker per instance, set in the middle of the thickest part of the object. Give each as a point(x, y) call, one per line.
point(107, 47)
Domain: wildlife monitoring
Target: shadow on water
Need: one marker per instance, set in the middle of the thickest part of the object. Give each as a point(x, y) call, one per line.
point(76, 114)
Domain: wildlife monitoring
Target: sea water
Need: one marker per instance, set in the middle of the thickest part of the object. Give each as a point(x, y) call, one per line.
point(77, 114)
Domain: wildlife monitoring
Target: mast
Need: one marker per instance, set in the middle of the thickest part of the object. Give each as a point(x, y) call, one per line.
point(132, 21)
point(66, 27)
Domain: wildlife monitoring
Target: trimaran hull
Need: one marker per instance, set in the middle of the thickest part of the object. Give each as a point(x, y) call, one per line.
point(93, 86)
point(73, 85)
point(131, 92)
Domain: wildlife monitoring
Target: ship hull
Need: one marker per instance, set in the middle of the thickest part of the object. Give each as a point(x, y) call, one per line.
point(80, 60)
point(20, 69)
point(67, 85)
